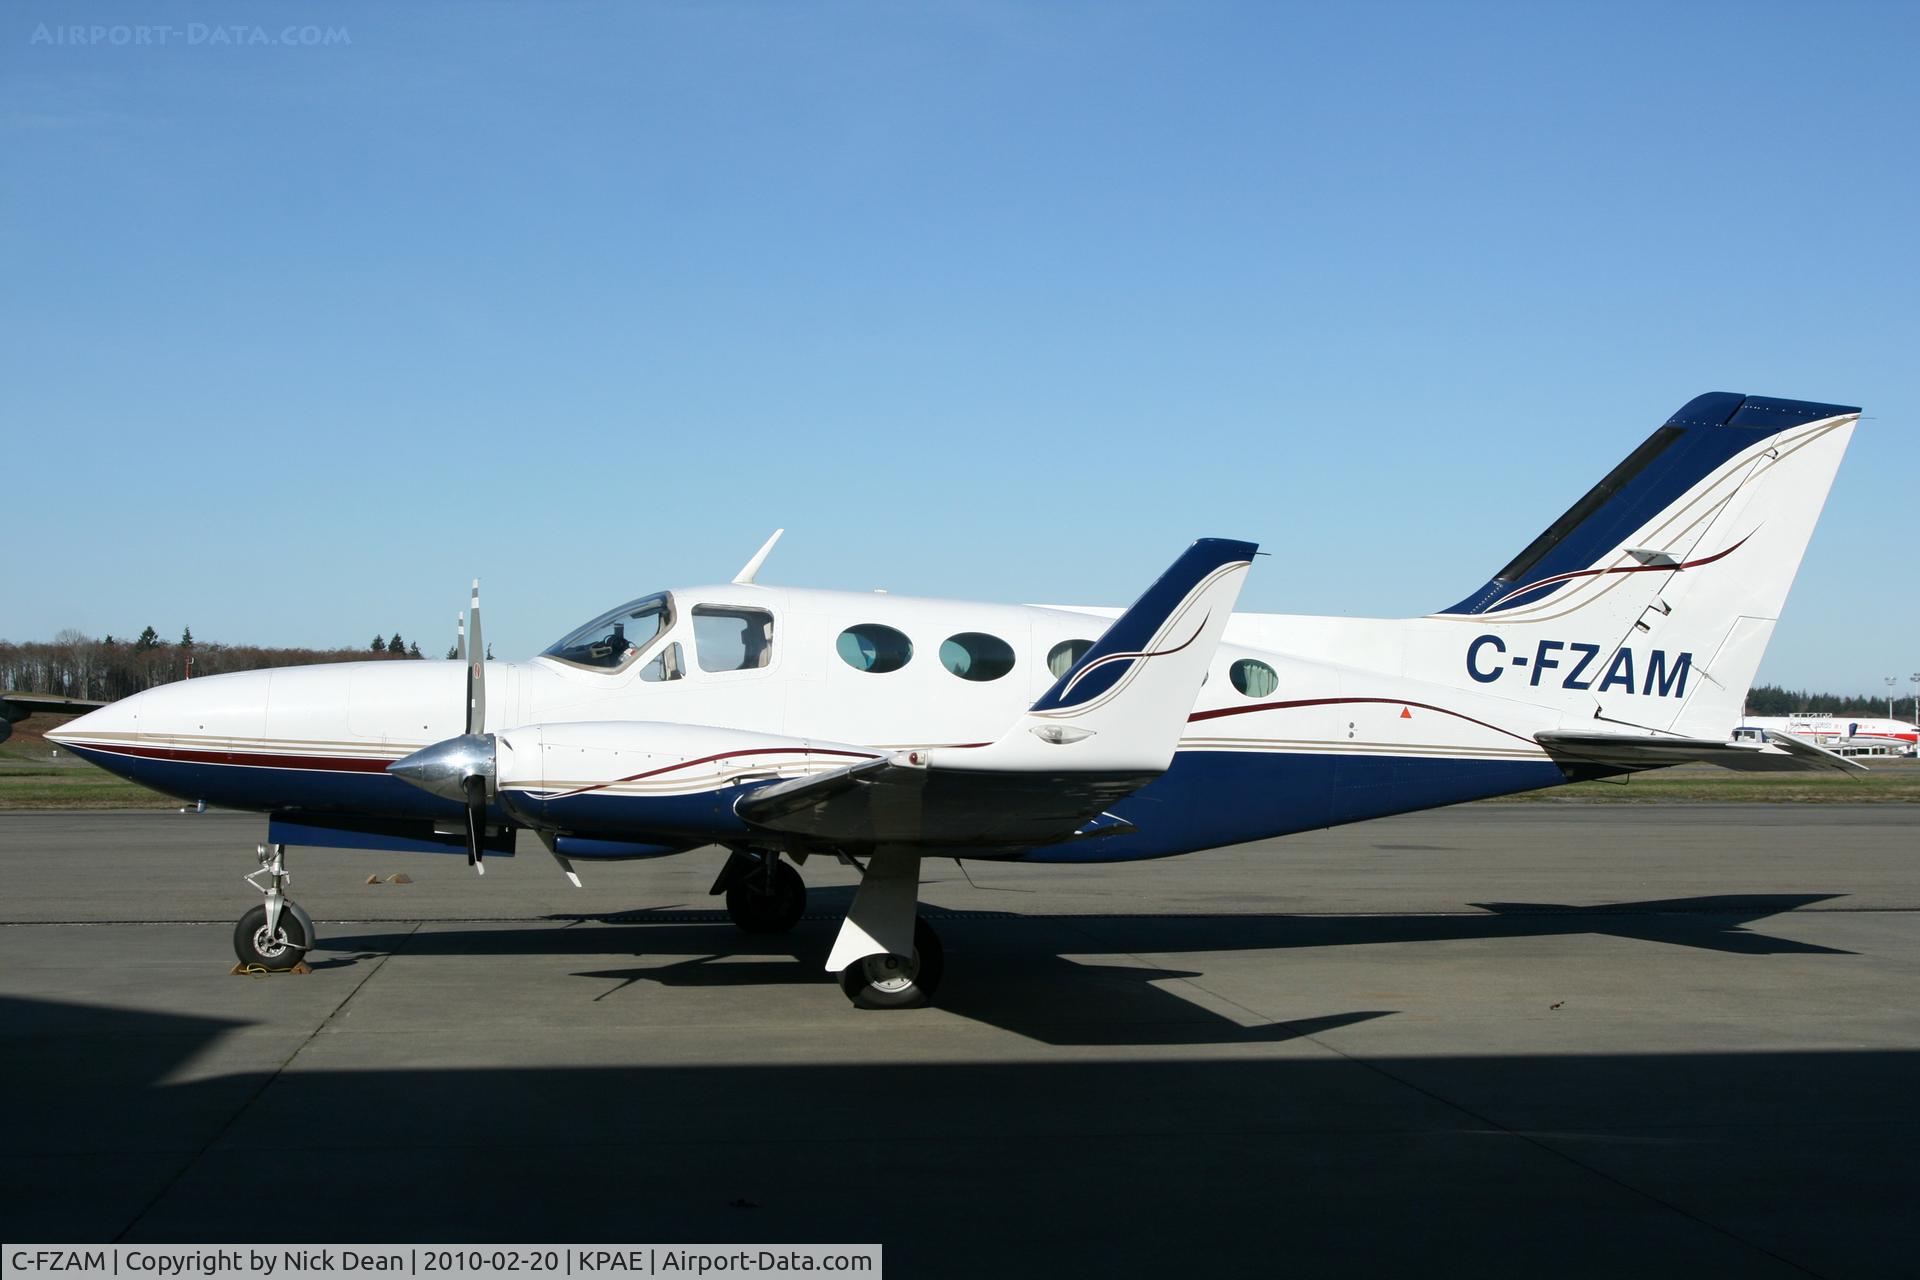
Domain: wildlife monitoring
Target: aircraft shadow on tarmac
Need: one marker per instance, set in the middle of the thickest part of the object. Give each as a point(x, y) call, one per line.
point(1008, 981)
point(141, 1125)
point(1018, 973)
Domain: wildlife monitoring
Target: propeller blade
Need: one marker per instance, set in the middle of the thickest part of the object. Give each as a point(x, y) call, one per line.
point(460, 631)
point(476, 789)
point(476, 668)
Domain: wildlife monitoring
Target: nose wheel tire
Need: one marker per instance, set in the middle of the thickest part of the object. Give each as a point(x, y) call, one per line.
point(770, 901)
point(285, 948)
point(897, 982)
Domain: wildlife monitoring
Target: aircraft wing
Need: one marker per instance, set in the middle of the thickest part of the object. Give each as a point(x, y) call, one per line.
point(18, 706)
point(1107, 727)
point(15, 707)
point(1779, 753)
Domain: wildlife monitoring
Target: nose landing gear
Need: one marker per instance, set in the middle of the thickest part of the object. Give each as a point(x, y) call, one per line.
point(278, 933)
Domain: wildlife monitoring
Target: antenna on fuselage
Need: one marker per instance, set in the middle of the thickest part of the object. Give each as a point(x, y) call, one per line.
point(744, 578)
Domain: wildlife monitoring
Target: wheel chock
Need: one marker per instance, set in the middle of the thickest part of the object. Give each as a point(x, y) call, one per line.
point(261, 971)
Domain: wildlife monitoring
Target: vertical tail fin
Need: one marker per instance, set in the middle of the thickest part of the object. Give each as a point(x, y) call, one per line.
point(1652, 599)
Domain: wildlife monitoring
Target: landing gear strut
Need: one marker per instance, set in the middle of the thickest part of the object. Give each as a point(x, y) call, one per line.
point(886, 956)
point(764, 894)
point(278, 933)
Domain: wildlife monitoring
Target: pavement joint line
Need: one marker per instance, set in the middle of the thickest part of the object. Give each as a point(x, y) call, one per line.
point(937, 913)
point(1538, 1140)
point(260, 1090)
point(856, 1140)
point(1306, 1130)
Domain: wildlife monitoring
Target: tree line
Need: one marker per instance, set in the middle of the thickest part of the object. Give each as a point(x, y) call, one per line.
point(1772, 700)
point(74, 665)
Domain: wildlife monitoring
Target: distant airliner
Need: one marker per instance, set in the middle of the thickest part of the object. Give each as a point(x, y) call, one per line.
point(786, 724)
point(1840, 732)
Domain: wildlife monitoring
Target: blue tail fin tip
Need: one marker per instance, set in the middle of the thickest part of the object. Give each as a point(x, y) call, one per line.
point(1732, 409)
point(1690, 446)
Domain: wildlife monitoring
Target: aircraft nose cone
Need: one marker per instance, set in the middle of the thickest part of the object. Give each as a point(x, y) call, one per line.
point(111, 720)
point(444, 767)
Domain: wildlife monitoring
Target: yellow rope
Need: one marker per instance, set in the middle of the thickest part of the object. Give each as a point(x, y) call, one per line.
point(261, 971)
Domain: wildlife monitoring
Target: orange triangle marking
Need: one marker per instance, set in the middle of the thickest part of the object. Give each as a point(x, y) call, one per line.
point(1405, 714)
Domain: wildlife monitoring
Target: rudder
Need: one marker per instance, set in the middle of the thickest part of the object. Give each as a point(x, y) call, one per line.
point(1651, 600)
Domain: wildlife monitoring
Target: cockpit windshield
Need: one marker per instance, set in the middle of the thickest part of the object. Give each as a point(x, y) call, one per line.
point(614, 639)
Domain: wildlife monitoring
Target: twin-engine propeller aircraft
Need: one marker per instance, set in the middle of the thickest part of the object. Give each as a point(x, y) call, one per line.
point(880, 730)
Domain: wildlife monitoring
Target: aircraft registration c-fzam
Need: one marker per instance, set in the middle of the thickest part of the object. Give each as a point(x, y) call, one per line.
point(784, 725)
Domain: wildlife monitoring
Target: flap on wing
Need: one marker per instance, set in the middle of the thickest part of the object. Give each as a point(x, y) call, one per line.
point(1779, 753)
point(900, 800)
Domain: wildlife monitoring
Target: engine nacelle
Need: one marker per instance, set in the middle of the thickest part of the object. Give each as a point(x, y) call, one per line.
point(647, 780)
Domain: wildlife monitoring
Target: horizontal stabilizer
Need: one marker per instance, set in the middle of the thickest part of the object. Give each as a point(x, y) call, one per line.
point(1780, 753)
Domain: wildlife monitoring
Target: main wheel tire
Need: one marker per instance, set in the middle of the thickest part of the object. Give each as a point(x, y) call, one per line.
point(758, 906)
point(283, 951)
point(897, 982)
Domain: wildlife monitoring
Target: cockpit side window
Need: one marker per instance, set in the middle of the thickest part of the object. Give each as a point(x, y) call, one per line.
point(666, 665)
point(727, 638)
point(614, 639)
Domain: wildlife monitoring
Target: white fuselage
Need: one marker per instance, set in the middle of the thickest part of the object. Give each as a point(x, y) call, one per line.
point(389, 709)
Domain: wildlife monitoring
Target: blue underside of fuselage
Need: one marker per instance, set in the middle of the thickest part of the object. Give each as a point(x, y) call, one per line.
point(1205, 800)
point(235, 786)
point(1212, 798)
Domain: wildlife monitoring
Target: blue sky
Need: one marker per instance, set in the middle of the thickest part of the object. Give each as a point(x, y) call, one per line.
point(975, 299)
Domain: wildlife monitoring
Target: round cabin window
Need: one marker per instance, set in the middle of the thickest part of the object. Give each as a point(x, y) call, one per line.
point(975, 655)
point(1061, 657)
point(1255, 679)
point(872, 647)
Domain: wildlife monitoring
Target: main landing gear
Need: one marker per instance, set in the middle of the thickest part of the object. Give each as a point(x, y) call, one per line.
point(889, 981)
point(764, 894)
point(278, 933)
point(886, 955)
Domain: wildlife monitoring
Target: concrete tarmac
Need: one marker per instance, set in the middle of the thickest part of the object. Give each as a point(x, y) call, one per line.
point(1505, 1040)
